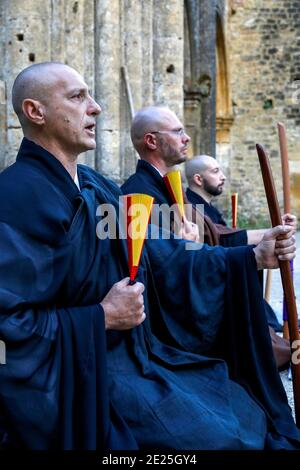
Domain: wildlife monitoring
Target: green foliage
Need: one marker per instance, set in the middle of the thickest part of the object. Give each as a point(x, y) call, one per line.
point(251, 222)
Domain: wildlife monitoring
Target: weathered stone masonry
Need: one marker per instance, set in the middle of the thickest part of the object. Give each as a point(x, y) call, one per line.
point(229, 68)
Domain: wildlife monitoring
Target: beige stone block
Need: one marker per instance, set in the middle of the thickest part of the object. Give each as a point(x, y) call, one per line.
point(108, 63)
point(168, 73)
point(87, 158)
point(89, 45)
point(14, 139)
point(147, 52)
point(168, 18)
point(27, 40)
point(108, 143)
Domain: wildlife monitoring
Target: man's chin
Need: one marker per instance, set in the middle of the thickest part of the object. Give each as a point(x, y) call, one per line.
point(88, 145)
point(181, 159)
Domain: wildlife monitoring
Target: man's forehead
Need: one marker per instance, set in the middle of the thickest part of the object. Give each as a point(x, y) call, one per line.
point(171, 118)
point(213, 165)
point(69, 79)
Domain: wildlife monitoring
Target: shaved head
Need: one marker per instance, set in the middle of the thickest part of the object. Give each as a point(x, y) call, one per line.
point(35, 82)
point(197, 164)
point(149, 119)
point(159, 137)
point(56, 110)
point(205, 176)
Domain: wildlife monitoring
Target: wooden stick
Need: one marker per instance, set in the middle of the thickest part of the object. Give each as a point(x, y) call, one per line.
point(285, 271)
point(284, 168)
point(234, 204)
point(268, 285)
point(286, 198)
point(128, 90)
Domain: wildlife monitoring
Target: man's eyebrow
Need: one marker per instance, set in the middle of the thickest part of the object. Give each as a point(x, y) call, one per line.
point(78, 90)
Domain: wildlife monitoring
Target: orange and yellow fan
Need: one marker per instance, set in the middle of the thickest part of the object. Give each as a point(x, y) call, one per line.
point(138, 212)
point(234, 206)
point(173, 183)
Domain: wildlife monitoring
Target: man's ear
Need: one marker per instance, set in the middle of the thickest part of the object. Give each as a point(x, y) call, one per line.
point(197, 178)
point(34, 111)
point(150, 141)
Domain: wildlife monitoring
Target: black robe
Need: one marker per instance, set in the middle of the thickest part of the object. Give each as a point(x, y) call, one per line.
point(213, 213)
point(53, 387)
point(167, 378)
point(147, 180)
point(240, 239)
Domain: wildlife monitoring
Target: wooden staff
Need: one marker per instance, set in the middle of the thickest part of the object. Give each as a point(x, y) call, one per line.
point(284, 168)
point(286, 276)
point(234, 205)
point(286, 201)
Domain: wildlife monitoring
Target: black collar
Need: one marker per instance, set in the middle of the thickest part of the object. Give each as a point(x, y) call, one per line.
point(41, 159)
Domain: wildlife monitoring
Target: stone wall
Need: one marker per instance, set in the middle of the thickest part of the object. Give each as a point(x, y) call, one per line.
point(132, 54)
point(102, 39)
point(264, 39)
point(35, 31)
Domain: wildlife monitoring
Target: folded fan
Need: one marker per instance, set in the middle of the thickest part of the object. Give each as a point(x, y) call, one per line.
point(138, 211)
point(173, 183)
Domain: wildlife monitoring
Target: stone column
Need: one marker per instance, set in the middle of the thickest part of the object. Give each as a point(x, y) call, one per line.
point(207, 75)
point(132, 51)
point(88, 54)
point(3, 123)
point(107, 86)
point(72, 42)
point(147, 52)
point(192, 96)
point(58, 31)
point(26, 40)
point(131, 81)
point(168, 54)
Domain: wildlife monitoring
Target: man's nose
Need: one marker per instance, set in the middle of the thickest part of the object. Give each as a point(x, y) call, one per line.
point(186, 137)
point(94, 107)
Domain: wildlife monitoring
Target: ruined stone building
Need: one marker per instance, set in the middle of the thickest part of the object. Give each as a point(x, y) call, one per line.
point(229, 68)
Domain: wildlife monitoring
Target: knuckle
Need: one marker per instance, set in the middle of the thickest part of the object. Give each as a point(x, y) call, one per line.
point(141, 287)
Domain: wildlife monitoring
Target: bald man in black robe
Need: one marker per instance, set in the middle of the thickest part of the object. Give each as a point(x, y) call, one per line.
point(176, 377)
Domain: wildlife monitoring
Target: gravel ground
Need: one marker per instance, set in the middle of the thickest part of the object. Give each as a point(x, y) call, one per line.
point(276, 301)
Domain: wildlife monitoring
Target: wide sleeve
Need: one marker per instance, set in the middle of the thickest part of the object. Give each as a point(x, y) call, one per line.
point(53, 390)
point(189, 281)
